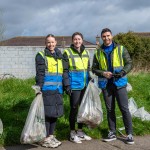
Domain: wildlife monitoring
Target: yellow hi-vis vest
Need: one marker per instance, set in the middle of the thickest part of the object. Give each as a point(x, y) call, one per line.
point(117, 64)
point(53, 73)
point(78, 66)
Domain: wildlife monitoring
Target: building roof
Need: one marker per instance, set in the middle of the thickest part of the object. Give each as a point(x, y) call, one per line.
point(143, 34)
point(38, 41)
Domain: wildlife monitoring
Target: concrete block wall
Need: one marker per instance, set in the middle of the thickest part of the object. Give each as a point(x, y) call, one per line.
point(19, 61)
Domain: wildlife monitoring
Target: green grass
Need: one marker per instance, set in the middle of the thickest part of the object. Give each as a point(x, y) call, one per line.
point(16, 96)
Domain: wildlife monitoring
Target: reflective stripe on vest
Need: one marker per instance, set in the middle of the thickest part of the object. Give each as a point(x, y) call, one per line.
point(78, 68)
point(53, 73)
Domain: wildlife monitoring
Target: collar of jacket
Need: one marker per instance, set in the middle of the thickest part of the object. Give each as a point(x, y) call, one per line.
point(115, 45)
point(58, 54)
point(81, 49)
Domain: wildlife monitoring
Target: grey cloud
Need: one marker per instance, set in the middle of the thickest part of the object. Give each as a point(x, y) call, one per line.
point(63, 17)
point(134, 4)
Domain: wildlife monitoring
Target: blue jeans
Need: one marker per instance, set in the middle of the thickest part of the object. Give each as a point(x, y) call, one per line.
point(110, 94)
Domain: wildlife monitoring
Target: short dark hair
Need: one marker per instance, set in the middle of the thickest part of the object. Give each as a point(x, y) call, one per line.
point(105, 30)
point(77, 33)
point(50, 35)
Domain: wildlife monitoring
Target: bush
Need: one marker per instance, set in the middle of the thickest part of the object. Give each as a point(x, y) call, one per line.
point(138, 47)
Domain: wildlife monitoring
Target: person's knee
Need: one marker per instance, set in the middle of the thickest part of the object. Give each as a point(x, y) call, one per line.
point(110, 111)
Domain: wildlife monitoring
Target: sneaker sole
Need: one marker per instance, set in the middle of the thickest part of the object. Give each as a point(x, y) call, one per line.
point(109, 140)
point(75, 141)
point(83, 139)
point(131, 143)
point(59, 144)
point(48, 146)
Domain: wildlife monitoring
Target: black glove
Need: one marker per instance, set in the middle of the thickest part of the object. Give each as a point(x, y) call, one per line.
point(119, 74)
point(68, 90)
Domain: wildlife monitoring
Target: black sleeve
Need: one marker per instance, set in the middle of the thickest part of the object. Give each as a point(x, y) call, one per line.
point(66, 80)
point(95, 67)
point(40, 70)
point(127, 61)
point(89, 67)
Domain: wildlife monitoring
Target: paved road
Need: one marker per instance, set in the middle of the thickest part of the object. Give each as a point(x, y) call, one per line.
point(141, 143)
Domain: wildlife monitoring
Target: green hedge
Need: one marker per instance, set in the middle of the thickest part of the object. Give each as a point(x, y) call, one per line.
point(138, 47)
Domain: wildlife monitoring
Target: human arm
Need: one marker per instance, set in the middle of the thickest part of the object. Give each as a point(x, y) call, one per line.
point(127, 61)
point(66, 80)
point(40, 70)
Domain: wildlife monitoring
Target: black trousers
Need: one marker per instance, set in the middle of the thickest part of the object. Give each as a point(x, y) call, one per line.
point(50, 124)
point(110, 94)
point(75, 101)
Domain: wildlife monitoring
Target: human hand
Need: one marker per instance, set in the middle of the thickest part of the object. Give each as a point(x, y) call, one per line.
point(119, 74)
point(68, 90)
point(107, 74)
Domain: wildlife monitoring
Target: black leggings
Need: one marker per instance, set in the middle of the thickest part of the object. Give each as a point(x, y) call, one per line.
point(75, 100)
point(50, 124)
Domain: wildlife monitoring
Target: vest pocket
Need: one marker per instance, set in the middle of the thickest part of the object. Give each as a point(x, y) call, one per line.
point(102, 82)
point(120, 82)
point(77, 80)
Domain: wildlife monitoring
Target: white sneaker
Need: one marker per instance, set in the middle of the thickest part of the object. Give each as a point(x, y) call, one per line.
point(74, 138)
point(49, 142)
point(56, 141)
point(83, 136)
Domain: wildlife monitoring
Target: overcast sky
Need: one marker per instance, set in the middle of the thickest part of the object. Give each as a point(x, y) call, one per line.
point(64, 17)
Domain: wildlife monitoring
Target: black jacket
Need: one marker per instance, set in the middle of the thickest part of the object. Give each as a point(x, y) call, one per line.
point(66, 64)
point(53, 100)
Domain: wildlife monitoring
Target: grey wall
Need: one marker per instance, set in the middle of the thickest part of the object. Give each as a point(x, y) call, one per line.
point(19, 61)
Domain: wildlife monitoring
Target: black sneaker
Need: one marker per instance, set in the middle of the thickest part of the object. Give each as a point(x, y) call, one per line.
point(111, 137)
point(129, 139)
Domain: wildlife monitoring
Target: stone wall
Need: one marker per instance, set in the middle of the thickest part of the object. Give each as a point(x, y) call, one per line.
point(19, 61)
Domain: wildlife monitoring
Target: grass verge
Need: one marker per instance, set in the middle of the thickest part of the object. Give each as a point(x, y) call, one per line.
point(16, 96)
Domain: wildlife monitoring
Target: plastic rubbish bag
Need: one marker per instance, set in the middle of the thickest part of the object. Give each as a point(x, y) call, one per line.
point(34, 129)
point(1, 127)
point(94, 78)
point(132, 106)
point(129, 87)
point(90, 111)
point(138, 112)
point(142, 114)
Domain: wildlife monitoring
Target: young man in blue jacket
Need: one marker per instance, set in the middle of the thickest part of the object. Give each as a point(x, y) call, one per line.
point(111, 63)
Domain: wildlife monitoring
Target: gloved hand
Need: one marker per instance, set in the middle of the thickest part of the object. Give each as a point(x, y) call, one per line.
point(119, 74)
point(68, 90)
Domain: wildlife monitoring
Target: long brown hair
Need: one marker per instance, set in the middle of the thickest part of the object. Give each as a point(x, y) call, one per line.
point(77, 33)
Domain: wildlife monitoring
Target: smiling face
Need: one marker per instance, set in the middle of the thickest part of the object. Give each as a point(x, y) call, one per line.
point(51, 43)
point(107, 38)
point(77, 41)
